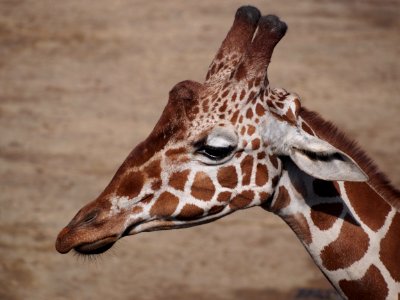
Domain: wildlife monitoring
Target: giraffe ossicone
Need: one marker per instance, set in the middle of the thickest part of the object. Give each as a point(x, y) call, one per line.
point(234, 142)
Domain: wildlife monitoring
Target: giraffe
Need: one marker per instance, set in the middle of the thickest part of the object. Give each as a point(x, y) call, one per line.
point(234, 142)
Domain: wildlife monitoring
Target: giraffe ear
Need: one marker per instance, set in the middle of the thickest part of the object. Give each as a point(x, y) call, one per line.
point(320, 159)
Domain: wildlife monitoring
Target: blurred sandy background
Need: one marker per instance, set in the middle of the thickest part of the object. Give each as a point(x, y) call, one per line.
point(82, 82)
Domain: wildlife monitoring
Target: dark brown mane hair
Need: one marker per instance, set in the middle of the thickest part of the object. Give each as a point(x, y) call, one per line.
point(329, 132)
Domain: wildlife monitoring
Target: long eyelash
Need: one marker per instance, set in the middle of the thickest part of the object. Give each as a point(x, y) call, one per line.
point(222, 152)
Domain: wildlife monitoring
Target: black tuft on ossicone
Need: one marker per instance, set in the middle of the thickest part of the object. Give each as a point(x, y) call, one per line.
point(274, 25)
point(248, 13)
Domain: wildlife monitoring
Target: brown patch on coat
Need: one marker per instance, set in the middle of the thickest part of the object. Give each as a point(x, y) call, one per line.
point(261, 155)
point(196, 110)
point(165, 205)
point(130, 185)
point(390, 246)
point(274, 161)
point(247, 167)
point(249, 113)
point(263, 196)
point(156, 184)
point(153, 170)
point(147, 199)
point(299, 225)
point(275, 181)
point(178, 180)
point(242, 200)
point(281, 201)
point(261, 174)
point(290, 117)
point(250, 84)
point(350, 246)
point(175, 151)
point(203, 187)
point(240, 72)
point(190, 211)
point(242, 94)
point(372, 286)
point(205, 105)
point(324, 215)
point(330, 133)
point(223, 107)
point(227, 177)
point(260, 110)
point(255, 144)
point(250, 130)
point(235, 117)
point(224, 197)
point(368, 205)
point(251, 96)
point(215, 209)
point(136, 210)
point(325, 188)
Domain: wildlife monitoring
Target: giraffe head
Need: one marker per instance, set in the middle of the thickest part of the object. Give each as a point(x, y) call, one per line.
point(214, 150)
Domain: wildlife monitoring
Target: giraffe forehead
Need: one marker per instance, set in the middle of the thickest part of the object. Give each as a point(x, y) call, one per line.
point(225, 98)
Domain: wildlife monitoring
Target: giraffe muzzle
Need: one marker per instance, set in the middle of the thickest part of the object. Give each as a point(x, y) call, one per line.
point(89, 232)
point(68, 238)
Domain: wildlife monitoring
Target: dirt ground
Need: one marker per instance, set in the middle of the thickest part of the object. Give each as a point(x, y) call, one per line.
point(82, 82)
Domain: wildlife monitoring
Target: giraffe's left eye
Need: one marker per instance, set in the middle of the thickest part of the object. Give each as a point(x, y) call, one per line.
point(217, 147)
point(215, 153)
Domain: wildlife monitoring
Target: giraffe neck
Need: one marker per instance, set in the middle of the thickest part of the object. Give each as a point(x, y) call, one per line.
point(350, 231)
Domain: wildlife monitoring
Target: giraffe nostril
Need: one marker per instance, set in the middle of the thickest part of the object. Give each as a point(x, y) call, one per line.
point(89, 217)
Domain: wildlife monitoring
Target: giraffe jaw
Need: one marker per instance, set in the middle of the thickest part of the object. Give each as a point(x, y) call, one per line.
point(164, 224)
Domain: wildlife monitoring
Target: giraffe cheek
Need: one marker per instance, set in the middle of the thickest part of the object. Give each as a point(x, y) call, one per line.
point(227, 177)
point(178, 180)
point(203, 188)
point(224, 197)
point(190, 212)
point(242, 200)
point(165, 205)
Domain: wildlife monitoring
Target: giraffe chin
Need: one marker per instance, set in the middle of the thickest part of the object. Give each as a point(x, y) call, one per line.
point(97, 247)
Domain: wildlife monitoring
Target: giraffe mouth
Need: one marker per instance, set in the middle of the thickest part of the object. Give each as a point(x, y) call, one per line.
point(96, 247)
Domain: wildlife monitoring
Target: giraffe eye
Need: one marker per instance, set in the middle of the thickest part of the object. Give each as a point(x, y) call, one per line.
point(215, 153)
point(217, 147)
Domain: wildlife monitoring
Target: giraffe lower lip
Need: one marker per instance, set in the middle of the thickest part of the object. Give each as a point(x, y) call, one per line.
point(97, 247)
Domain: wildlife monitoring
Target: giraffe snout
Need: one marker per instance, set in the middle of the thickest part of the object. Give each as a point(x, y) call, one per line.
point(91, 231)
point(62, 242)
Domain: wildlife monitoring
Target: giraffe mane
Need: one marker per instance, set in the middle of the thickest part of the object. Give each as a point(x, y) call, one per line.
point(330, 132)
